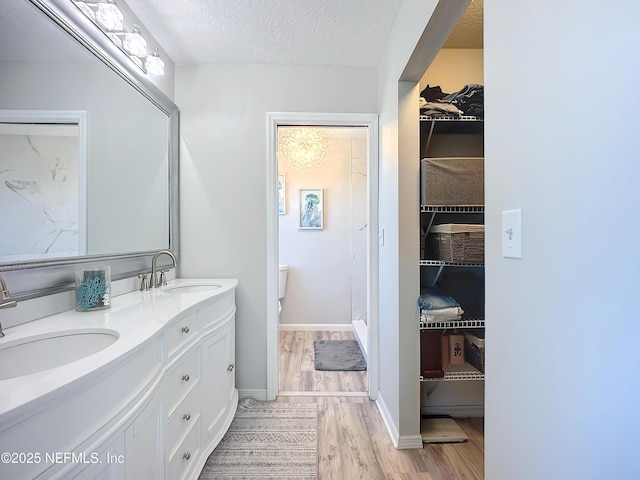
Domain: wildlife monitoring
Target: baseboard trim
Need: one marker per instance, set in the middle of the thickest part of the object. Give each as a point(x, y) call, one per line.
point(388, 421)
point(455, 411)
point(317, 327)
point(408, 442)
point(400, 442)
point(323, 394)
point(360, 331)
point(257, 394)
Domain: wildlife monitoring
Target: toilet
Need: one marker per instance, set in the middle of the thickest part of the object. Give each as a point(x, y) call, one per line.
point(282, 284)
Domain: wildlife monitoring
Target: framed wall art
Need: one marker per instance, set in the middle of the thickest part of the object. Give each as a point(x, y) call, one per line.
point(311, 209)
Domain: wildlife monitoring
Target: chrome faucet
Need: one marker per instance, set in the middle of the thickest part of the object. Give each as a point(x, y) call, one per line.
point(154, 274)
point(5, 300)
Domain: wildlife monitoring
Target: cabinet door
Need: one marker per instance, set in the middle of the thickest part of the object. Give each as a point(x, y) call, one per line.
point(144, 446)
point(218, 379)
point(109, 462)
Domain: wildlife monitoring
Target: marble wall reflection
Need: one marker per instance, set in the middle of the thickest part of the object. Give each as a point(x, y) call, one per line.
point(39, 192)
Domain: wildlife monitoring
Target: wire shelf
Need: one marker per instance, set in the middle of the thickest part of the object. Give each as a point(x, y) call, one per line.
point(461, 118)
point(452, 208)
point(468, 323)
point(442, 263)
point(454, 373)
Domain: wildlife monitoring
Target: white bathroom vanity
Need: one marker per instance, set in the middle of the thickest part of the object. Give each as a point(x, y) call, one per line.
point(143, 390)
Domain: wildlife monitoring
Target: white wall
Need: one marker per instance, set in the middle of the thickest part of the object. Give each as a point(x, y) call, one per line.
point(453, 68)
point(320, 280)
point(399, 398)
point(562, 362)
point(223, 175)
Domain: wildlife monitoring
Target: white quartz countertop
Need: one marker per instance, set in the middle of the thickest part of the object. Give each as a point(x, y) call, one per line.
point(135, 316)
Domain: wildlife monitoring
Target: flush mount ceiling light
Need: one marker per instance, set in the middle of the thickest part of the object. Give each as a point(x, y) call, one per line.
point(302, 147)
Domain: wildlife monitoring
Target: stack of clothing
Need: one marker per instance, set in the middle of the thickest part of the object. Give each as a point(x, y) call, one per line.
point(469, 101)
point(438, 307)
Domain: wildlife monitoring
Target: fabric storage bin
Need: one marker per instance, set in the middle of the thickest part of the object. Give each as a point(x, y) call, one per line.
point(474, 349)
point(452, 181)
point(457, 242)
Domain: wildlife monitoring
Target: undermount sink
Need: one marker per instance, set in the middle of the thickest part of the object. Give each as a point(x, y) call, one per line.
point(193, 288)
point(42, 352)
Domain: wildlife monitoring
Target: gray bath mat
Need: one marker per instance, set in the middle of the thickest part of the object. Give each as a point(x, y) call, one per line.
point(338, 355)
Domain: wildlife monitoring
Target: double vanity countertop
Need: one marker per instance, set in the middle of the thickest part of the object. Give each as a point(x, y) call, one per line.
point(133, 319)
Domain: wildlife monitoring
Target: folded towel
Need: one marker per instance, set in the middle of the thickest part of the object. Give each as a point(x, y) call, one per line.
point(433, 299)
point(442, 314)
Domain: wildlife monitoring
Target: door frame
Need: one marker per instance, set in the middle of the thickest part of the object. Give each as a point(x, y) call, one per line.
point(370, 121)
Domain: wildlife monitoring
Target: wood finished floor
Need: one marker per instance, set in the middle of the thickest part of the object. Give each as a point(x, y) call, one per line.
point(353, 441)
point(297, 370)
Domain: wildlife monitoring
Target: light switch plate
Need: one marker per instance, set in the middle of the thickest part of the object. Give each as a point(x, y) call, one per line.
point(512, 233)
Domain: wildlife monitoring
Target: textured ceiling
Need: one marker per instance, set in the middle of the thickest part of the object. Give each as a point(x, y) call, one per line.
point(468, 32)
point(299, 32)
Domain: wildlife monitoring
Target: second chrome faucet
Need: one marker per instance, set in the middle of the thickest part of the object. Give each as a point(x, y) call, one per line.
point(155, 281)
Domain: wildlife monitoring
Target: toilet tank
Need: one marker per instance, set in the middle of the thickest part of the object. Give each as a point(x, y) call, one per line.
point(282, 280)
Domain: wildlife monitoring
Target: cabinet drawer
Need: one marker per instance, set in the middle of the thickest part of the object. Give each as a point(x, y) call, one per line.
point(183, 417)
point(218, 310)
point(183, 458)
point(181, 332)
point(181, 379)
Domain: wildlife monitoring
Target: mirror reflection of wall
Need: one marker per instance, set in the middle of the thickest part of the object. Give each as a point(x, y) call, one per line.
point(127, 171)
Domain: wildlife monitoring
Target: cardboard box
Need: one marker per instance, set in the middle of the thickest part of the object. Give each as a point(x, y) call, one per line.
point(456, 349)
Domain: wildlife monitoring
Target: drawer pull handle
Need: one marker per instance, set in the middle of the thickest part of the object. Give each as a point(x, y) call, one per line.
point(186, 455)
point(187, 416)
point(185, 329)
point(231, 367)
point(186, 377)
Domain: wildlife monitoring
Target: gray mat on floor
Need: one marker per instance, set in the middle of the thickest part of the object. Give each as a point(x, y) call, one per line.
point(338, 355)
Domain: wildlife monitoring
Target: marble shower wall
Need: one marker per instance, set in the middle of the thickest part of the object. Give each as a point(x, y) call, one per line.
point(39, 195)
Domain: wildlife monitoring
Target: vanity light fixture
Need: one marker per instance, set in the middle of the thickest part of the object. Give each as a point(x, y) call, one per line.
point(134, 43)
point(108, 17)
point(106, 14)
point(302, 147)
point(155, 65)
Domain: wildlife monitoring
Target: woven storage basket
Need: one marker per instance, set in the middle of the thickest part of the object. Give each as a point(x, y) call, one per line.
point(457, 242)
point(452, 181)
point(474, 350)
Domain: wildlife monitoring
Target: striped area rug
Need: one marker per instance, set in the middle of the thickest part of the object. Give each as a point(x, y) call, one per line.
point(267, 440)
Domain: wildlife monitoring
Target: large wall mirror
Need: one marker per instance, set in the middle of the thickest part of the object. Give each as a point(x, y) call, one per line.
point(88, 153)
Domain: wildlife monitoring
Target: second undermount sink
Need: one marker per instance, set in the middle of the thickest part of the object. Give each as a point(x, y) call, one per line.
point(42, 352)
point(192, 288)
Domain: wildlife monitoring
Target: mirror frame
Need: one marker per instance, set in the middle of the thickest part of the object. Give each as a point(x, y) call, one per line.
point(27, 280)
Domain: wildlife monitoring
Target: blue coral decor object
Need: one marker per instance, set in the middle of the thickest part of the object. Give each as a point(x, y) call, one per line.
point(93, 289)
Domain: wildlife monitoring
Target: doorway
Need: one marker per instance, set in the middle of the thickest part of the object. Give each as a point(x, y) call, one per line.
point(322, 195)
point(367, 124)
